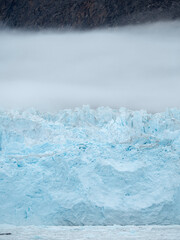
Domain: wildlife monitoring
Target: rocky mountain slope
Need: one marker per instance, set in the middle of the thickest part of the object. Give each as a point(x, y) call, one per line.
point(85, 13)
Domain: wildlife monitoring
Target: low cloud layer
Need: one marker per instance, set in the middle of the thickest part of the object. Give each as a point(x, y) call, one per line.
point(135, 67)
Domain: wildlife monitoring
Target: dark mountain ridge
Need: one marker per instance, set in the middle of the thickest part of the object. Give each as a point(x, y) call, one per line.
point(85, 13)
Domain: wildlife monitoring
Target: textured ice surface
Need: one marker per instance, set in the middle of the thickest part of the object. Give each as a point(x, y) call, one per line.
point(90, 232)
point(89, 167)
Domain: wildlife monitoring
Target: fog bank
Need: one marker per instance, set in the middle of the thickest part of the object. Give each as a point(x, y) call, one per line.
point(134, 67)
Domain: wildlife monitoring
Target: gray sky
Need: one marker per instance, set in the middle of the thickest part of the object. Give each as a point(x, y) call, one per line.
point(135, 67)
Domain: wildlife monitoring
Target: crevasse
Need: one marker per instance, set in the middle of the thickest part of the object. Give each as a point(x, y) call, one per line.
point(89, 167)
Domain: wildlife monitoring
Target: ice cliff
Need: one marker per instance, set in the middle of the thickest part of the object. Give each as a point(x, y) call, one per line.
point(89, 167)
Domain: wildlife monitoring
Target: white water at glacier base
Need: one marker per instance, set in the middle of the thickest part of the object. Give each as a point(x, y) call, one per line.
point(90, 232)
point(89, 167)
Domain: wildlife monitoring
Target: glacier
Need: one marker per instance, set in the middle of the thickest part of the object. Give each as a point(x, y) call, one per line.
point(88, 166)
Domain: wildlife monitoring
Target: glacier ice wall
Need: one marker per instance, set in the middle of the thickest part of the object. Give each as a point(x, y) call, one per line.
point(89, 167)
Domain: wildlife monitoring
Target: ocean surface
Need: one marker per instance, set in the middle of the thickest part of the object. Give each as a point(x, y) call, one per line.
point(90, 233)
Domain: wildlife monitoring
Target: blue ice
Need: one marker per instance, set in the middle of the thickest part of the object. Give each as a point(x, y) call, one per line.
point(89, 167)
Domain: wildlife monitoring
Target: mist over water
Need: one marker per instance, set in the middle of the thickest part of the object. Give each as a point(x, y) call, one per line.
point(137, 67)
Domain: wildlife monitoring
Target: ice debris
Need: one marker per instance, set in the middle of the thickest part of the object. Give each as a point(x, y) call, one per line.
point(89, 167)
